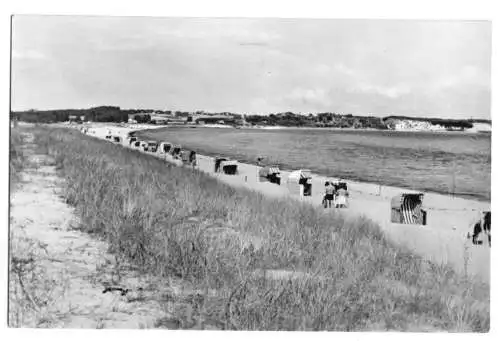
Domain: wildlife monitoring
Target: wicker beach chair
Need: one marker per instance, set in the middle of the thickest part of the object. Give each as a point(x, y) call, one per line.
point(229, 167)
point(406, 208)
point(299, 182)
point(164, 147)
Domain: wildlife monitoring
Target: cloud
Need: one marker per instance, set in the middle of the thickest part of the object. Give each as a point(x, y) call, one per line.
point(254, 43)
point(360, 83)
point(315, 96)
point(341, 68)
point(252, 65)
point(469, 75)
point(28, 54)
point(241, 30)
point(390, 92)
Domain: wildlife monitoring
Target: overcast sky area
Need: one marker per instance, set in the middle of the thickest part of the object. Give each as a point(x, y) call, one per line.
point(415, 68)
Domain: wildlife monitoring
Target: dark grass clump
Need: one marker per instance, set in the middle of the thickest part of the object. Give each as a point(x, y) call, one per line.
point(275, 265)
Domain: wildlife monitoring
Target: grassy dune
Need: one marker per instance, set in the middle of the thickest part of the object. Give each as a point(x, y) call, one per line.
point(29, 287)
point(19, 303)
point(231, 245)
point(16, 158)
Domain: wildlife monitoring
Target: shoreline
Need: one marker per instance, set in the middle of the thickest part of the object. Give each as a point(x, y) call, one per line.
point(133, 129)
point(436, 131)
point(362, 187)
point(442, 240)
point(483, 198)
point(220, 126)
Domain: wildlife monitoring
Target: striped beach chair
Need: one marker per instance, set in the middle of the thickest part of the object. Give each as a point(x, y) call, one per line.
point(406, 208)
point(271, 174)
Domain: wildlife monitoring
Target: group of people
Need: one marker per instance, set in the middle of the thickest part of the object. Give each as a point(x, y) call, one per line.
point(336, 195)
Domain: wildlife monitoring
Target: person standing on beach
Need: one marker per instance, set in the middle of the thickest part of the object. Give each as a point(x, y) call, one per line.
point(259, 163)
point(324, 202)
point(329, 192)
point(341, 197)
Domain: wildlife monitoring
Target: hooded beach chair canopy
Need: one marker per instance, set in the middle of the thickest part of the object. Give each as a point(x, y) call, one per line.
point(176, 149)
point(273, 170)
point(228, 163)
point(268, 170)
point(300, 174)
point(165, 146)
point(407, 208)
point(398, 200)
point(186, 155)
point(228, 166)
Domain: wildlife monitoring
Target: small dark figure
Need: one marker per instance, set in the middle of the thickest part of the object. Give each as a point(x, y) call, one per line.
point(259, 160)
point(477, 231)
point(487, 226)
point(109, 289)
point(324, 202)
point(483, 225)
point(305, 182)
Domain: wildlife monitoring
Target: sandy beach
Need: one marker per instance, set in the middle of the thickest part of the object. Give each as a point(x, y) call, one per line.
point(442, 240)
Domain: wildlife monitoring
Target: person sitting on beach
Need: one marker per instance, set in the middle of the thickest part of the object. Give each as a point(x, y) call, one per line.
point(329, 192)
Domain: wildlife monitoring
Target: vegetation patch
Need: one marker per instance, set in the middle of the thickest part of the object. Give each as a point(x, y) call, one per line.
point(285, 119)
point(16, 157)
point(158, 218)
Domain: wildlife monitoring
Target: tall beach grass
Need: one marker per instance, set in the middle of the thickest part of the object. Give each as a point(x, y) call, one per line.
point(31, 289)
point(16, 157)
point(260, 263)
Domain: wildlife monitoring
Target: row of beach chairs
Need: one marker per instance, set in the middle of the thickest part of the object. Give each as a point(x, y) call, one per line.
point(406, 208)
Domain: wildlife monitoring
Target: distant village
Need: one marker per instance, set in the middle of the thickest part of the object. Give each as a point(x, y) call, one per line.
point(227, 119)
point(182, 118)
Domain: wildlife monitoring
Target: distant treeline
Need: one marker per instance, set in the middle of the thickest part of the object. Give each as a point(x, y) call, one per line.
point(101, 114)
point(332, 120)
point(287, 119)
point(97, 114)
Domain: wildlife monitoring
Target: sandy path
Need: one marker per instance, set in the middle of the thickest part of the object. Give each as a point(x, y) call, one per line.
point(442, 240)
point(70, 269)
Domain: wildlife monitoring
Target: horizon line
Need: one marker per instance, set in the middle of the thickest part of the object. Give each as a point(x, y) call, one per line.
point(263, 114)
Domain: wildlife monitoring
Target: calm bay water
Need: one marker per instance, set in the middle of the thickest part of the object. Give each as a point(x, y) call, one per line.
point(437, 162)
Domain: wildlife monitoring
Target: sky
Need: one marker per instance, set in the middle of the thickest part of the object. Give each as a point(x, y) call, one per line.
point(253, 66)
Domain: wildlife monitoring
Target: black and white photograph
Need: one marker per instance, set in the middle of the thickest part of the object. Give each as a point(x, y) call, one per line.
point(249, 173)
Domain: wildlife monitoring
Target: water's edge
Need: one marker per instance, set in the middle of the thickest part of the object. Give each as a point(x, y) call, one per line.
point(318, 172)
